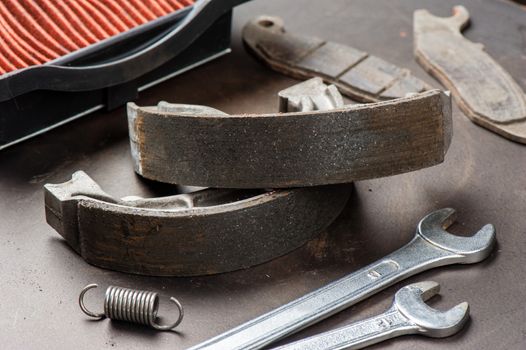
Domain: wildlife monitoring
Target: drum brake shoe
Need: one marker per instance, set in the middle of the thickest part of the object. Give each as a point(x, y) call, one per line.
point(200, 233)
point(322, 144)
point(215, 230)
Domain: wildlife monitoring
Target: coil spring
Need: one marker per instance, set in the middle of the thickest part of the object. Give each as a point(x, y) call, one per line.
point(131, 305)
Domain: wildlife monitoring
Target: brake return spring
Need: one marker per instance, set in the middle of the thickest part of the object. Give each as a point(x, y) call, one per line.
point(131, 305)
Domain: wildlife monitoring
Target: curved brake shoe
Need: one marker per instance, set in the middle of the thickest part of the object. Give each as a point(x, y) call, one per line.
point(204, 147)
point(357, 74)
point(484, 91)
point(204, 232)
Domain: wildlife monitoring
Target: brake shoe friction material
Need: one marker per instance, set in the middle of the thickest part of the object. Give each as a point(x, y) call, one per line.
point(201, 233)
point(295, 149)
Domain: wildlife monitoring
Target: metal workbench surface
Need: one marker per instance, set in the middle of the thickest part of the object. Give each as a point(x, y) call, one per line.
point(483, 177)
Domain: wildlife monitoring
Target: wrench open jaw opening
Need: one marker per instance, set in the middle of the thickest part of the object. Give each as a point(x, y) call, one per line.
point(410, 302)
point(473, 249)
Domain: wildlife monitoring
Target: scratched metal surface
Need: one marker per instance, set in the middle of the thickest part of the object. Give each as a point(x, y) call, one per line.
point(483, 177)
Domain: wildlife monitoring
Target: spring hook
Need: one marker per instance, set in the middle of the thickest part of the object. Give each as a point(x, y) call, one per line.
point(131, 305)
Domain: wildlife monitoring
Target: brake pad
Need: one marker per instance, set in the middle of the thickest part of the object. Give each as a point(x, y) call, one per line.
point(358, 75)
point(484, 91)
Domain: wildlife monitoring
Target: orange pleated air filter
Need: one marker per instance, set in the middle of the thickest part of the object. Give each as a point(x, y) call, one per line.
point(63, 59)
point(34, 32)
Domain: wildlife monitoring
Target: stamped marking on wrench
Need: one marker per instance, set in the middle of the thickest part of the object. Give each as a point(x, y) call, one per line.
point(408, 315)
point(431, 247)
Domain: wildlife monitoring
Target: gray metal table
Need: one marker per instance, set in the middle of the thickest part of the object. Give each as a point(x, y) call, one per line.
point(482, 177)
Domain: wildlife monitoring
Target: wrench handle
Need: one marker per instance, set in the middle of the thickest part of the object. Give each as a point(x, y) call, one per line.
point(357, 335)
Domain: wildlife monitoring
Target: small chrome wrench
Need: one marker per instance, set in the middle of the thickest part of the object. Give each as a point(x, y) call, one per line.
point(431, 247)
point(408, 315)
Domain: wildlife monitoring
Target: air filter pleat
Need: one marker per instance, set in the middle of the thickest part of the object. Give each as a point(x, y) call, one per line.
point(114, 17)
point(49, 6)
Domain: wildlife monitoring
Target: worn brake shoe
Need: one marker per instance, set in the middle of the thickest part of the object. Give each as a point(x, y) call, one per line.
point(199, 146)
point(484, 91)
point(358, 75)
point(204, 232)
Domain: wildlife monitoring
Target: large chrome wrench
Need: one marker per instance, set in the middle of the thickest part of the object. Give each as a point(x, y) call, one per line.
point(431, 247)
point(408, 315)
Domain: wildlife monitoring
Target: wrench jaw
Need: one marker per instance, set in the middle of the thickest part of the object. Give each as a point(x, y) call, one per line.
point(470, 250)
point(430, 322)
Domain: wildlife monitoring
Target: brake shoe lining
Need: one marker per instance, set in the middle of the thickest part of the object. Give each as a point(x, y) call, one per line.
point(199, 146)
point(359, 75)
point(200, 233)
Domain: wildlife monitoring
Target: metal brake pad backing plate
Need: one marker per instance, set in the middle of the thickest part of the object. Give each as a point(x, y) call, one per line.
point(200, 146)
point(200, 233)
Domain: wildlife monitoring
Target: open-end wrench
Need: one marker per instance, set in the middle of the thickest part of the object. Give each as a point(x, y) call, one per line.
point(431, 247)
point(408, 315)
